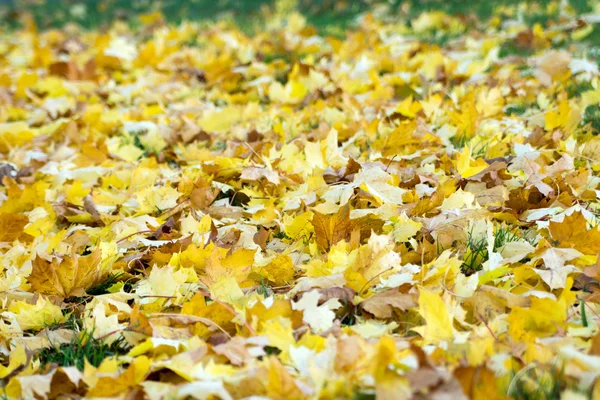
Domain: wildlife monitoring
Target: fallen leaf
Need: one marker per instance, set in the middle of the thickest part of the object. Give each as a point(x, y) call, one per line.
point(572, 232)
point(330, 229)
point(438, 322)
point(11, 226)
point(382, 304)
point(67, 277)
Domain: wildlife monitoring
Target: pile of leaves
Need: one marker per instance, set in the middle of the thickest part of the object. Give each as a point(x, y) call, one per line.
point(409, 210)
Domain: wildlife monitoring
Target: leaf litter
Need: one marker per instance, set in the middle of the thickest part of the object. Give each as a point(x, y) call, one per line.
point(195, 211)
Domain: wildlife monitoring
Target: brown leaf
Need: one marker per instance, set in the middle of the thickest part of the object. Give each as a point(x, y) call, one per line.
point(382, 304)
point(585, 283)
point(70, 213)
point(203, 194)
point(428, 382)
point(164, 229)
point(71, 45)
point(344, 294)
point(595, 347)
point(218, 338)
point(78, 241)
point(256, 173)
point(90, 207)
point(432, 384)
point(65, 380)
point(261, 237)
point(195, 73)
point(138, 322)
point(365, 226)
point(71, 71)
point(330, 229)
point(11, 226)
point(66, 278)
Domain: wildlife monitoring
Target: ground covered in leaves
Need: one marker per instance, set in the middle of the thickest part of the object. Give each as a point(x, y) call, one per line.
point(406, 210)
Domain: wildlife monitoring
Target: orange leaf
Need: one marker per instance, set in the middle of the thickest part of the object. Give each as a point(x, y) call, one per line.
point(573, 233)
point(11, 226)
point(330, 229)
point(69, 277)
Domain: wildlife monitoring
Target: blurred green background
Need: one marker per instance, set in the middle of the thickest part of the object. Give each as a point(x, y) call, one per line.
point(95, 14)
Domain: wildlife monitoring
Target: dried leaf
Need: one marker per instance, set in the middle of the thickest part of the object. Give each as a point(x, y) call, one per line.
point(572, 232)
point(330, 229)
point(11, 226)
point(67, 277)
point(382, 304)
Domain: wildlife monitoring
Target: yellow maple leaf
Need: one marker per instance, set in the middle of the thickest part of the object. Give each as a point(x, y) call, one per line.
point(69, 277)
point(293, 92)
point(161, 283)
point(37, 316)
point(404, 228)
point(157, 199)
point(109, 386)
point(438, 322)
point(227, 290)
point(408, 107)
point(572, 232)
point(280, 270)
point(11, 226)
point(566, 117)
point(466, 166)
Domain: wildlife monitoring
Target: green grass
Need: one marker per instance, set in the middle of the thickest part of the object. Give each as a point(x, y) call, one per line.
point(477, 251)
point(477, 150)
point(264, 289)
point(510, 48)
point(72, 323)
point(81, 348)
point(102, 287)
point(542, 383)
point(575, 88)
point(591, 116)
point(530, 386)
point(516, 109)
point(329, 16)
point(362, 395)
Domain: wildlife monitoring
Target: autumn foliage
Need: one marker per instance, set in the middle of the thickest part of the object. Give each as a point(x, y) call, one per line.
point(407, 210)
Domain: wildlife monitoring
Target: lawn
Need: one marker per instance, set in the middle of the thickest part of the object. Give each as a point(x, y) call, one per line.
point(299, 200)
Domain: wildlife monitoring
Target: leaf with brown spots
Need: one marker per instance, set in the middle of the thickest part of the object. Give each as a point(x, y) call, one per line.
point(572, 232)
point(66, 278)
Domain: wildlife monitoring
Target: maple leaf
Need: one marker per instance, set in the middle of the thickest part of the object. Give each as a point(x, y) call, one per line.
point(557, 271)
point(572, 232)
point(330, 229)
point(267, 205)
point(11, 226)
point(108, 386)
point(437, 318)
point(67, 277)
point(318, 317)
point(256, 173)
point(37, 316)
point(161, 283)
point(382, 304)
point(280, 270)
point(465, 165)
